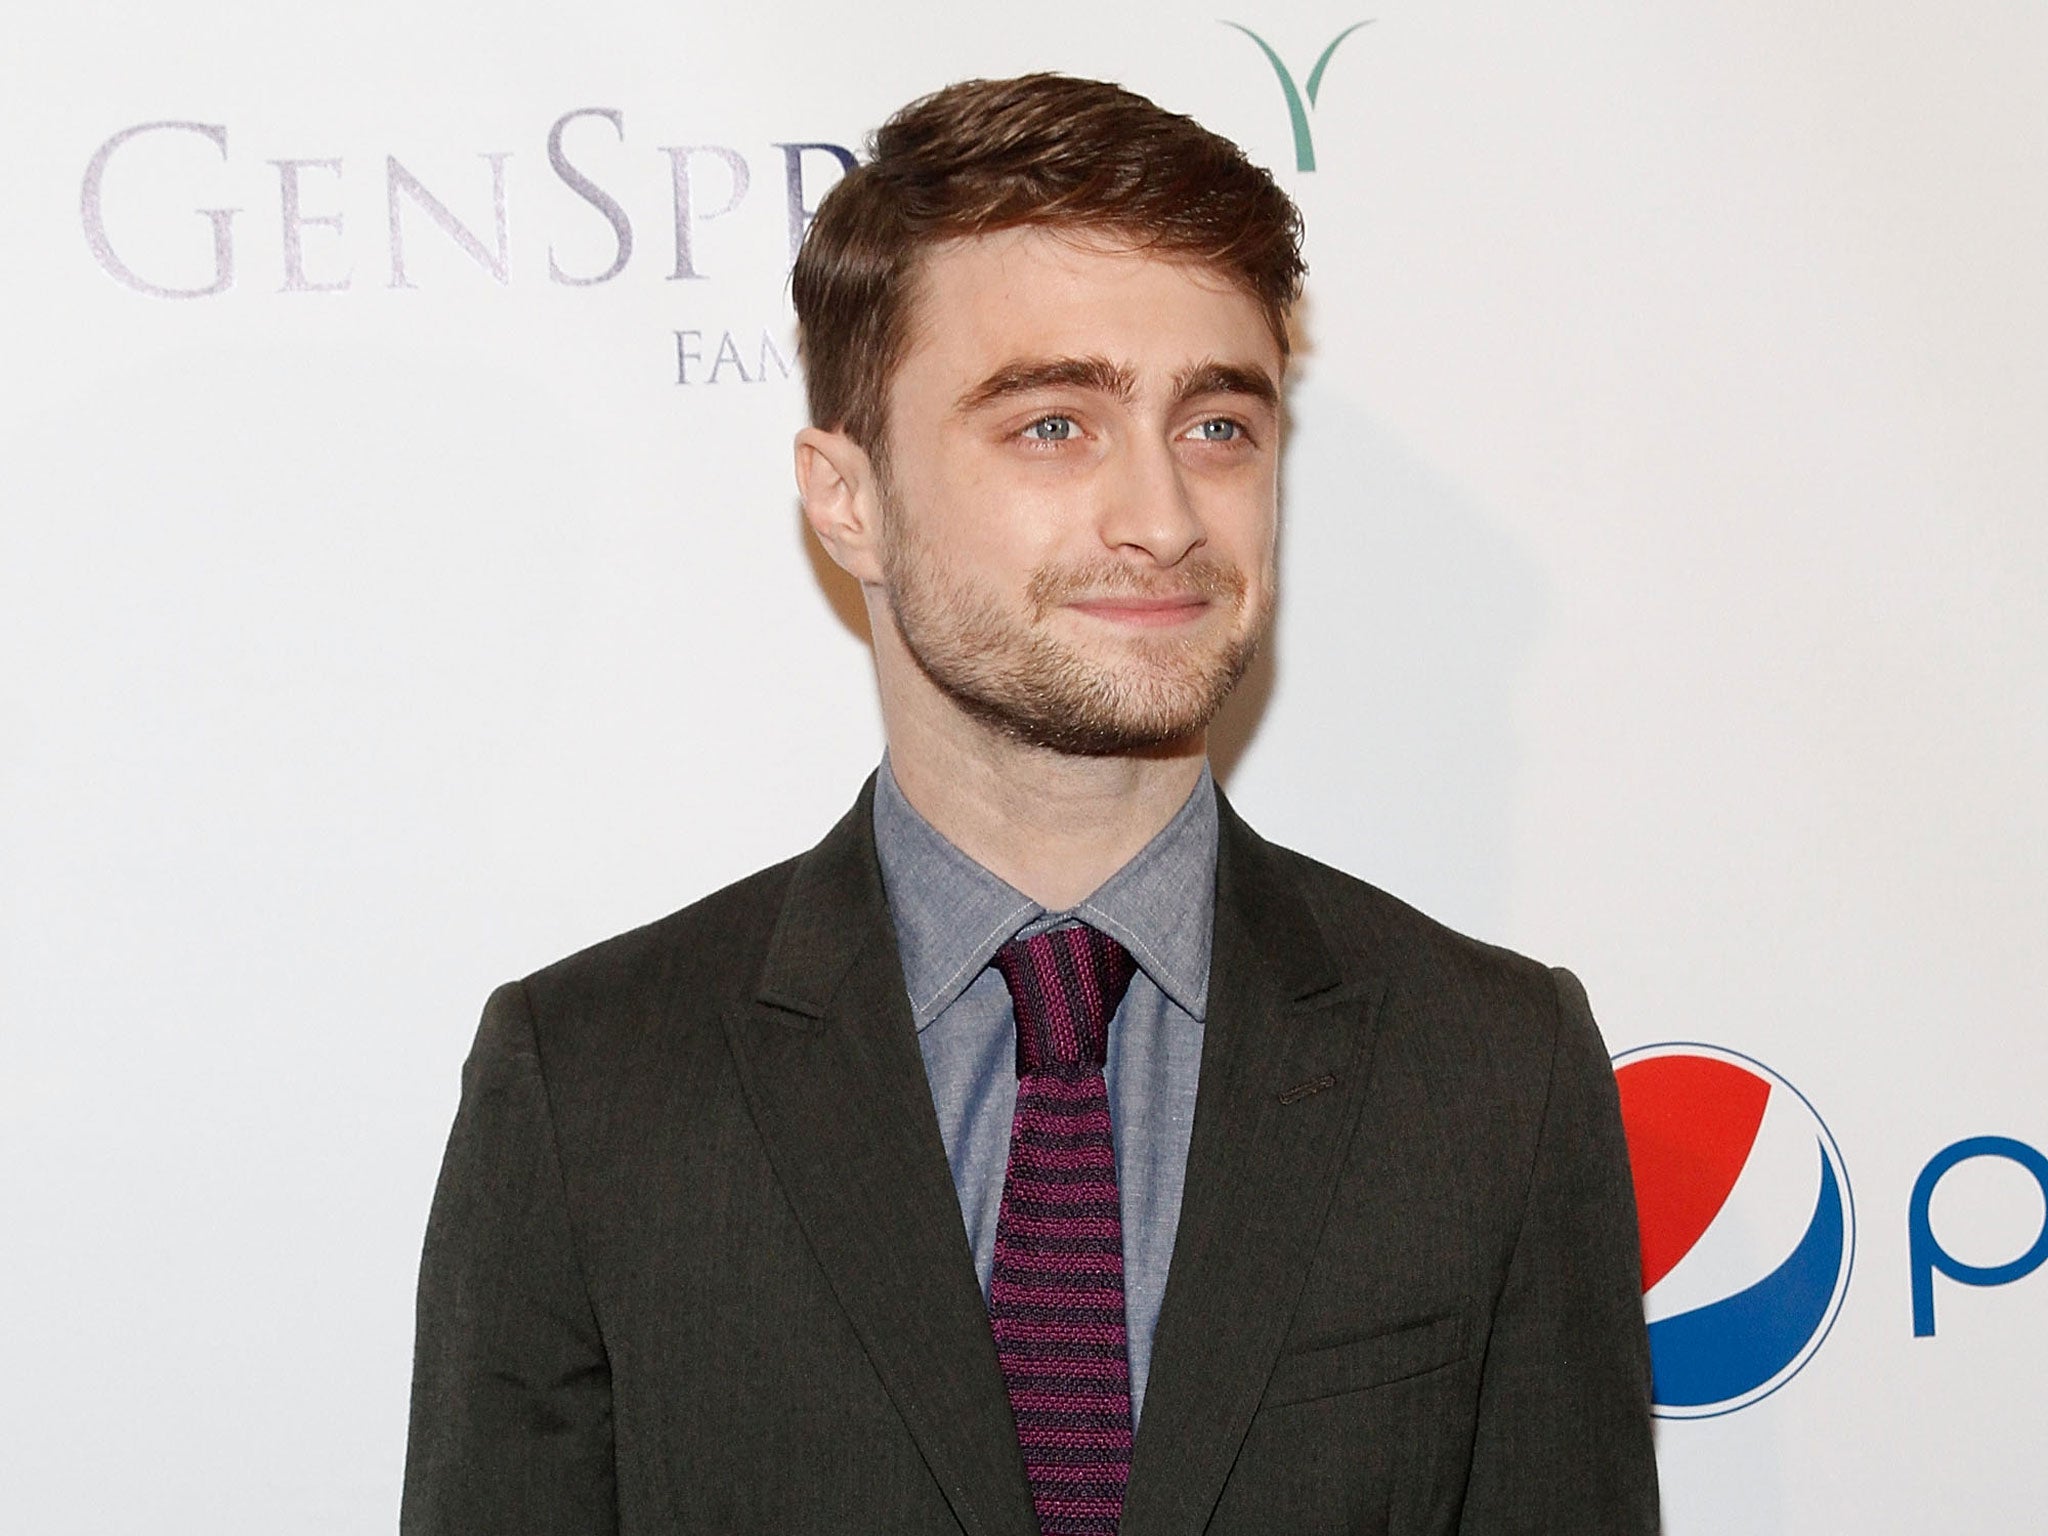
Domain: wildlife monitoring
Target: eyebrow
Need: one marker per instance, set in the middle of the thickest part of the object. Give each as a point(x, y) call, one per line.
point(1031, 375)
point(1213, 378)
point(1099, 374)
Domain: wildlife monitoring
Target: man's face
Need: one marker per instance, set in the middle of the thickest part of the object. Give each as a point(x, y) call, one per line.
point(1080, 502)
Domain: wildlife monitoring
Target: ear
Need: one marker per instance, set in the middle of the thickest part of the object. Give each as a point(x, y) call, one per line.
point(836, 480)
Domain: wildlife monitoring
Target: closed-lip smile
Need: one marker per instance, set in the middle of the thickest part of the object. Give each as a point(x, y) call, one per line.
point(1121, 608)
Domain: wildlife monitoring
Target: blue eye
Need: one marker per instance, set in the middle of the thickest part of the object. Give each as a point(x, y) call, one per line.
point(1219, 430)
point(1051, 429)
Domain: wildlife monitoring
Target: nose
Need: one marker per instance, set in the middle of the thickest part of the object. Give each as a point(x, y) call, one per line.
point(1146, 508)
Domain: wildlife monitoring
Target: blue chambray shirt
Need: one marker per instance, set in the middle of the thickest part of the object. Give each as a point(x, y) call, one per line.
point(951, 916)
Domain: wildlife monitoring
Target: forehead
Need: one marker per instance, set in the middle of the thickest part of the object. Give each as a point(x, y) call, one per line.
point(984, 301)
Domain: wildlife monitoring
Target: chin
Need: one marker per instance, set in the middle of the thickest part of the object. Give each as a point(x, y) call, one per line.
point(1076, 690)
point(1086, 708)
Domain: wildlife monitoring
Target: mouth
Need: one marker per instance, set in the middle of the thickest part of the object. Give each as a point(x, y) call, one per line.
point(1145, 612)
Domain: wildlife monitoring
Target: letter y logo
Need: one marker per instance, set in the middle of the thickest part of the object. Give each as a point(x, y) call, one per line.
point(1304, 145)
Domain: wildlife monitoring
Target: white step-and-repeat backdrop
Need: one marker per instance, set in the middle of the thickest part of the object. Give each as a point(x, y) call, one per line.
point(401, 585)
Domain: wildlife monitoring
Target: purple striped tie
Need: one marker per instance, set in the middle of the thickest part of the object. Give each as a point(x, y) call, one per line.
point(1056, 1300)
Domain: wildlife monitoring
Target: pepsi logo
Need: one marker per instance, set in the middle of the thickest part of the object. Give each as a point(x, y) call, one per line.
point(1748, 1224)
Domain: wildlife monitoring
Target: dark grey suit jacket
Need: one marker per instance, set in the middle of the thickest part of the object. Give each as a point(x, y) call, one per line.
point(696, 1263)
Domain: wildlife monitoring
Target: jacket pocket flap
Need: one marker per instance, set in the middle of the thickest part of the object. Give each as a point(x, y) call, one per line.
point(1373, 1361)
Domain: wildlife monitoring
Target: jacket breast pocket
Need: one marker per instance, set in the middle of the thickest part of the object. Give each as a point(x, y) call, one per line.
point(1331, 1370)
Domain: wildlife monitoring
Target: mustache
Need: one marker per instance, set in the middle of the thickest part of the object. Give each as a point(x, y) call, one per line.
point(1200, 575)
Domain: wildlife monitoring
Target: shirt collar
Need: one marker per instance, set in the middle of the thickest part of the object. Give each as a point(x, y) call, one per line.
point(952, 915)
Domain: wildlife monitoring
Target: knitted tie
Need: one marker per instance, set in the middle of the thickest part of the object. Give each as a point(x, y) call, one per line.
point(1056, 1300)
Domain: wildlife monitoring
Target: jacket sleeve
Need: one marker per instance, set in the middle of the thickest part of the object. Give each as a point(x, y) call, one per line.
point(1564, 1445)
point(511, 1429)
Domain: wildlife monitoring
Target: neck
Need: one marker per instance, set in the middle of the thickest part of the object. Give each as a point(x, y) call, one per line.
point(1053, 825)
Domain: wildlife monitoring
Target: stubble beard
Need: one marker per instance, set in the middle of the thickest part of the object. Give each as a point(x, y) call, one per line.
point(1012, 674)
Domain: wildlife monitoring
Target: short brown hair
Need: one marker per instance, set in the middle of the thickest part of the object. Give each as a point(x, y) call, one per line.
point(985, 155)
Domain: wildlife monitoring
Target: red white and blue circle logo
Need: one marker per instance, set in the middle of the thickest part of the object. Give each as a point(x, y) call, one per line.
point(1748, 1226)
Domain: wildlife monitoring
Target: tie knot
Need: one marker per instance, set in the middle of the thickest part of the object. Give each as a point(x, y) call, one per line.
point(1065, 986)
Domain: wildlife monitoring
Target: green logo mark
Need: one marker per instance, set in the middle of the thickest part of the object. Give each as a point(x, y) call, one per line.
point(1304, 145)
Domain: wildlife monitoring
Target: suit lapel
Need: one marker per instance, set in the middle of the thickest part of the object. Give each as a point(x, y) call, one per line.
point(1285, 1055)
point(828, 1059)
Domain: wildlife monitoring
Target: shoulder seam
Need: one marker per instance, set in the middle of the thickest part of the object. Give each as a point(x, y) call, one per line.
point(547, 1102)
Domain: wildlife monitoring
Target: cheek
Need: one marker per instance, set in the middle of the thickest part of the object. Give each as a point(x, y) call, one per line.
point(1243, 522)
point(971, 547)
point(996, 524)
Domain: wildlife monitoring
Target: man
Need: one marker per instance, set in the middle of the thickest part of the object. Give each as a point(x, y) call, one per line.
point(1043, 1150)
